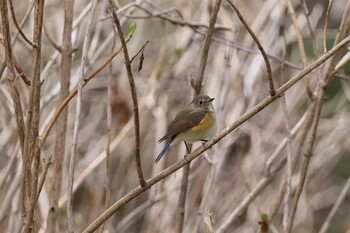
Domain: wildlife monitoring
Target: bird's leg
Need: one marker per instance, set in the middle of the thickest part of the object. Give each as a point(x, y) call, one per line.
point(203, 141)
point(187, 151)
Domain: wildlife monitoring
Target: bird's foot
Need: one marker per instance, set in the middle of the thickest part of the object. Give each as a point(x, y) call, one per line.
point(186, 157)
point(203, 143)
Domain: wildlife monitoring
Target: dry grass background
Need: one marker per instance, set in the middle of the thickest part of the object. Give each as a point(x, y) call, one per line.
point(222, 179)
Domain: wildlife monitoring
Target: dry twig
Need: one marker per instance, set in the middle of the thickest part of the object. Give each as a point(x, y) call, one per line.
point(61, 128)
point(86, 45)
point(326, 26)
point(258, 44)
point(133, 94)
point(300, 45)
point(18, 27)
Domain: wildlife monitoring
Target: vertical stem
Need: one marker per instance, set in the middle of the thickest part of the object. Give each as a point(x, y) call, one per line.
point(197, 85)
point(182, 199)
point(108, 146)
point(29, 225)
point(9, 62)
point(300, 45)
point(33, 112)
point(205, 52)
point(61, 128)
point(133, 94)
point(326, 26)
point(289, 167)
point(87, 40)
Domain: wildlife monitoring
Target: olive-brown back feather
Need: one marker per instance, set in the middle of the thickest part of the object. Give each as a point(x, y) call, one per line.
point(183, 121)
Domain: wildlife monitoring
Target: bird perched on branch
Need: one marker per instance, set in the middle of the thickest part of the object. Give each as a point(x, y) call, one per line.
point(195, 123)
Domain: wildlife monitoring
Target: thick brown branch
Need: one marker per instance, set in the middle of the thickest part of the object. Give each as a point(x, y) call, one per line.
point(33, 117)
point(61, 128)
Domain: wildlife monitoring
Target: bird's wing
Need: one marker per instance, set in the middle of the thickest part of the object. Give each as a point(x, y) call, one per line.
point(184, 120)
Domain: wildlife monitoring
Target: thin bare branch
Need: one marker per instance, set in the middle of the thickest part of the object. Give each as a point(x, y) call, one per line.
point(311, 29)
point(335, 207)
point(87, 40)
point(108, 146)
point(19, 113)
point(21, 72)
point(207, 42)
point(6, 39)
point(47, 161)
point(289, 167)
point(326, 26)
point(18, 27)
point(300, 45)
point(258, 44)
point(315, 112)
point(61, 129)
point(181, 207)
point(51, 39)
point(164, 14)
point(133, 94)
point(34, 183)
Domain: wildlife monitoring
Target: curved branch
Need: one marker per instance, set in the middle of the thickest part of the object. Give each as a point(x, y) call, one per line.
point(74, 92)
point(133, 94)
point(258, 44)
point(18, 27)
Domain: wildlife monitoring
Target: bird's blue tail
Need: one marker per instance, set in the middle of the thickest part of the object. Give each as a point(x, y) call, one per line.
point(166, 147)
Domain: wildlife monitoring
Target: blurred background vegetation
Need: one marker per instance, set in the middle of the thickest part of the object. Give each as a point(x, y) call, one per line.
point(235, 76)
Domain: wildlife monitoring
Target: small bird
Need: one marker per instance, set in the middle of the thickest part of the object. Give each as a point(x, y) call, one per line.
point(195, 123)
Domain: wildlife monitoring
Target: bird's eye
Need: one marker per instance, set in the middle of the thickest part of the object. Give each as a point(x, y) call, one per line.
point(200, 102)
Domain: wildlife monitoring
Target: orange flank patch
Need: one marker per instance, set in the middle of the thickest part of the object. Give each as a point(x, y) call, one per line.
point(204, 124)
